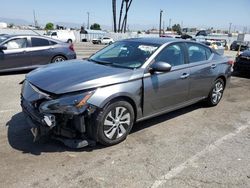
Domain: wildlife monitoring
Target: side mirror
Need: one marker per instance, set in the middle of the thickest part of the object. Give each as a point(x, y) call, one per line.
point(3, 48)
point(160, 66)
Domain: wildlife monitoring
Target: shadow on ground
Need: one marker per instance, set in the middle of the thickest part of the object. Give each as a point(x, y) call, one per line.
point(14, 73)
point(20, 137)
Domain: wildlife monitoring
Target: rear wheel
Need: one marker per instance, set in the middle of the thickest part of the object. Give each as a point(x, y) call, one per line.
point(115, 122)
point(58, 58)
point(216, 92)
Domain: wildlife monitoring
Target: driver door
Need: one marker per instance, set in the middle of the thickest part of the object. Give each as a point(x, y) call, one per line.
point(16, 55)
point(169, 90)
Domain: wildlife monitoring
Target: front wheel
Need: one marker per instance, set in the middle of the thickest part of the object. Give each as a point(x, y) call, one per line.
point(216, 93)
point(115, 122)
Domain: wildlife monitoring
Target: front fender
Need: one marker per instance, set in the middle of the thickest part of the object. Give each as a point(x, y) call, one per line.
point(131, 90)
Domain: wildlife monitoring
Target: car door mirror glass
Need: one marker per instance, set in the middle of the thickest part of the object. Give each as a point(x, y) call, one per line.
point(160, 66)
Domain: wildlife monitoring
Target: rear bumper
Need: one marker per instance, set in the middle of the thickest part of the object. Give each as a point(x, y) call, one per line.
point(71, 56)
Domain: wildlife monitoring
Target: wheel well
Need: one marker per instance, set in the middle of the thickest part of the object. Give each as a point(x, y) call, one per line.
point(224, 80)
point(127, 99)
point(58, 55)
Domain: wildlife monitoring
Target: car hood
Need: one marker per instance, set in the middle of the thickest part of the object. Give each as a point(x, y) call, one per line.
point(77, 75)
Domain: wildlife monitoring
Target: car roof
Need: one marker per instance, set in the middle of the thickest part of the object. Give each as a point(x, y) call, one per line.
point(154, 40)
point(31, 35)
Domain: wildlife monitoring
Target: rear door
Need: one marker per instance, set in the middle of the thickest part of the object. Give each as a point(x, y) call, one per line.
point(202, 70)
point(42, 51)
point(166, 91)
point(16, 55)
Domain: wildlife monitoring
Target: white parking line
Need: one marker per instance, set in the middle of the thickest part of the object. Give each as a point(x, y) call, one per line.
point(191, 161)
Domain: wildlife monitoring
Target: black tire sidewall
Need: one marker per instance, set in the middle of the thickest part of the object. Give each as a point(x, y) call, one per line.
point(100, 122)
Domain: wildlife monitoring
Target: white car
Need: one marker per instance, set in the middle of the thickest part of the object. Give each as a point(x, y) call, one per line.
point(62, 35)
point(103, 40)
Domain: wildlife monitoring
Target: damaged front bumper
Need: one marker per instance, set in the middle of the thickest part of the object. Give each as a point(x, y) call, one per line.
point(71, 129)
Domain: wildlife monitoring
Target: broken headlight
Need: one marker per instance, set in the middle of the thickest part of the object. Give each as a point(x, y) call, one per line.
point(71, 104)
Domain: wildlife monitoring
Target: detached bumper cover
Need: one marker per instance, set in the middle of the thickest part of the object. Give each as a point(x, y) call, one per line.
point(39, 125)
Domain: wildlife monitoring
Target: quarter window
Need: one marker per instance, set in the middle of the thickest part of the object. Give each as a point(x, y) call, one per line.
point(39, 42)
point(172, 54)
point(16, 43)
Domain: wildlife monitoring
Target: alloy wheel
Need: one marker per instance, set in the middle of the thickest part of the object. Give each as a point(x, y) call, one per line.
point(217, 92)
point(116, 123)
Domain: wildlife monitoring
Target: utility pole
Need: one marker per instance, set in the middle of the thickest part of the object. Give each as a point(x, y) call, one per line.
point(170, 20)
point(229, 30)
point(160, 23)
point(88, 20)
point(35, 21)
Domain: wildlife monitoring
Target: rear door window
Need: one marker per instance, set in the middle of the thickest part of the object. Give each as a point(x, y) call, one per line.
point(197, 53)
point(36, 42)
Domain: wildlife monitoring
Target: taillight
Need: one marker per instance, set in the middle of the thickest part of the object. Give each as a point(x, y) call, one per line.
point(231, 62)
point(71, 47)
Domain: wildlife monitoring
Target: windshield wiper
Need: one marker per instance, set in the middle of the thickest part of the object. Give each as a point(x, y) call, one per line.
point(100, 62)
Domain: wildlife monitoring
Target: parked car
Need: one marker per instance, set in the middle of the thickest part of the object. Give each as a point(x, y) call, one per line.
point(103, 40)
point(62, 35)
point(216, 45)
point(242, 62)
point(100, 99)
point(19, 52)
point(236, 44)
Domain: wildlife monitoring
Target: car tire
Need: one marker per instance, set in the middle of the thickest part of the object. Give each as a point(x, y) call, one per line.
point(58, 58)
point(216, 92)
point(114, 122)
point(110, 43)
point(69, 41)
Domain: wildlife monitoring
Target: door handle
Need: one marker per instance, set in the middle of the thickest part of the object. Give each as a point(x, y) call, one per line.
point(184, 75)
point(213, 66)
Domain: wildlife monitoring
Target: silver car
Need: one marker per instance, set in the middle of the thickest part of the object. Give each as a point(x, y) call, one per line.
point(100, 99)
point(20, 52)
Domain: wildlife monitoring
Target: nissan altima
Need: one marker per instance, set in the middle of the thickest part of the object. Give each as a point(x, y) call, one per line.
point(83, 102)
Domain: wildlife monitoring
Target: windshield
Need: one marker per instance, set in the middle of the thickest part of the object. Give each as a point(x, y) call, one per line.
point(127, 54)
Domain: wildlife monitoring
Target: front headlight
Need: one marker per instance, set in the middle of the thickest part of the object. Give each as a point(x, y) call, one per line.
point(72, 104)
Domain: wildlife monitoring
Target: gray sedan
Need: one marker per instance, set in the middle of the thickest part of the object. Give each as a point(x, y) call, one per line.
point(100, 99)
point(19, 52)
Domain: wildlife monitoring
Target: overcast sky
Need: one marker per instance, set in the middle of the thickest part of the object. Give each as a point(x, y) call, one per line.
point(198, 13)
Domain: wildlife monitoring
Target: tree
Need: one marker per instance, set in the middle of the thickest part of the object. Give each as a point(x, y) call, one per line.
point(95, 26)
point(49, 26)
point(114, 13)
point(122, 24)
point(177, 28)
